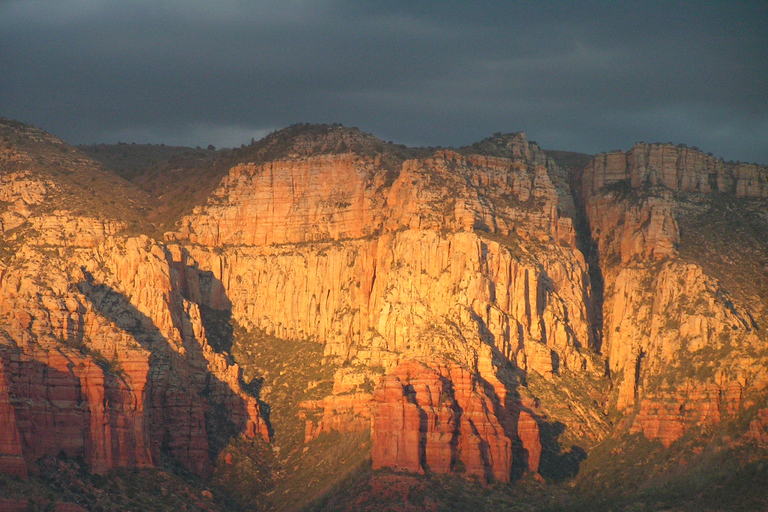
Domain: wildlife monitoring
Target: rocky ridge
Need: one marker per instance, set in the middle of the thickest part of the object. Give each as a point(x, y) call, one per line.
point(472, 328)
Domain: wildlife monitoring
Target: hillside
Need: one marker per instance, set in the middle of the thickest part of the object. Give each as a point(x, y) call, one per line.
point(45, 179)
point(332, 322)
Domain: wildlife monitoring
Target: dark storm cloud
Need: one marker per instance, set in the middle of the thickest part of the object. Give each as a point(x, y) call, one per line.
point(585, 76)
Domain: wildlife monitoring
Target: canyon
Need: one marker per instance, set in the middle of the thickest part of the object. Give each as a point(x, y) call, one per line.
point(494, 313)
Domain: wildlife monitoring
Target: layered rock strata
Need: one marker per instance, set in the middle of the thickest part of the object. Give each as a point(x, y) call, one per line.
point(458, 257)
point(439, 280)
point(665, 320)
point(677, 168)
point(101, 354)
point(478, 241)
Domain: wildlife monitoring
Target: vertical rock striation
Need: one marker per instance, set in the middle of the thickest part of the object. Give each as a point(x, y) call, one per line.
point(437, 419)
point(668, 324)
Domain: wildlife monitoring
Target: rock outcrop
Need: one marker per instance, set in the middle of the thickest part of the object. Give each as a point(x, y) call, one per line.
point(665, 320)
point(477, 240)
point(677, 168)
point(440, 420)
point(109, 360)
point(101, 354)
point(11, 459)
point(530, 438)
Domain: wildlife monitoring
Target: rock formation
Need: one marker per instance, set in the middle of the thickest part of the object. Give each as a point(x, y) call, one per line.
point(530, 438)
point(436, 419)
point(11, 460)
point(664, 317)
point(102, 356)
point(467, 258)
point(462, 312)
point(676, 168)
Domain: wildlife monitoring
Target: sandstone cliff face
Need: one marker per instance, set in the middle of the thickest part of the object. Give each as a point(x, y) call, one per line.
point(454, 257)
point(327, 197)
point(101, 354)
point(476, 240)
point(438, 284)
point(677, 168)
point(109, 360)
point(530, 438)
point(436, 419)
point(667, 324)
point(11, 460)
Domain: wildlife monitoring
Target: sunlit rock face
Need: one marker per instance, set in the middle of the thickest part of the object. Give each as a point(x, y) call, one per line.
point(106, 358)
point(684, 348)
point(464, 316)
point(676, 168)
point(450, 257)
point(368, 265)
point(433, 419)
point(101, 355)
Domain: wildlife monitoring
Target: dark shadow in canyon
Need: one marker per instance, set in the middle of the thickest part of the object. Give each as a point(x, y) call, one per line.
point(182, 394)
point(220, 333)
point(589, 248)
point(218, 327)
point(555, 463)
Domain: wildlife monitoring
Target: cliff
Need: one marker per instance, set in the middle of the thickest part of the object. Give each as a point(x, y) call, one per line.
point(481, 311)
point(677, 168)
point(457, 256)
point(102, 356)
point(682, 336)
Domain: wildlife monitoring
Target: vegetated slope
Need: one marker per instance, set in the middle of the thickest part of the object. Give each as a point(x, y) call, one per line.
point(177, 178)
point(43, 175)
point(524, 334)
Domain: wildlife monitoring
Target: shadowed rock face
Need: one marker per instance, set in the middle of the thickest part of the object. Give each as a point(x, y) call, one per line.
point(448, 289)
point(11, 459)
point(115, 373)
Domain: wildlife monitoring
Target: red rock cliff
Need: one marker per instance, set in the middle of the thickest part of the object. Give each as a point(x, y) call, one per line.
point(665, 314)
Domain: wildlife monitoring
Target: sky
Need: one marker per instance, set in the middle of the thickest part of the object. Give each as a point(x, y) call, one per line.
point(588, 76)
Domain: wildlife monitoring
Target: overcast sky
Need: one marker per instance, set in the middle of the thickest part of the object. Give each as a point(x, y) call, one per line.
point(582, 76)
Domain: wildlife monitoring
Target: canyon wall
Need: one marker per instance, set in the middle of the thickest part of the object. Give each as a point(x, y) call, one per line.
point(448, 289)
point(101, 354)
point(464, 258)
point(684, 348)
point(677, 168)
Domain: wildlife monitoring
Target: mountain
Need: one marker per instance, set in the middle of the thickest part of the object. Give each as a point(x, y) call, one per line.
point(323, 320)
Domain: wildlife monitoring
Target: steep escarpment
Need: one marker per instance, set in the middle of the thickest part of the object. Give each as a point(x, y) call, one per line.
point(677, 168)
point(465, 258)
point(102, 355)
point(334, 306)
point(683, 335)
